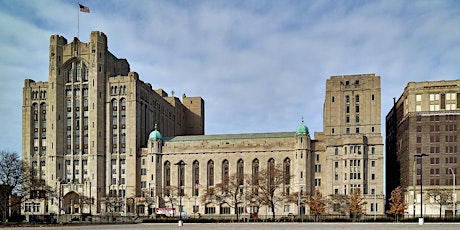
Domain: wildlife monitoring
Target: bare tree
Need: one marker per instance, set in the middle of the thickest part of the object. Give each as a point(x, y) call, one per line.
point(397, 203)
point(339, 203)
point(357, 204)
point(317, 205)
point(15, 178)
point(268, 187)
point(174, 194)
point(440, 196)
point(230, 192)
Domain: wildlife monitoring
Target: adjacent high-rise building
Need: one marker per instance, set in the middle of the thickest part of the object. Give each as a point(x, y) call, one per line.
point(422, 142)
point(108, 144)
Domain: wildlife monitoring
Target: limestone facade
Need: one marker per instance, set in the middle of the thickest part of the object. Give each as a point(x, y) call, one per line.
point(82, 130)
point(106, 142)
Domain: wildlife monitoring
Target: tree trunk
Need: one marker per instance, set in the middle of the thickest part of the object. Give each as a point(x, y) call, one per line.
point(5, 204)
point(237, 212)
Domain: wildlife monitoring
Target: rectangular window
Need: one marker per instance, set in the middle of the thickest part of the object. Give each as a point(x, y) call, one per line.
point(287, 208)
point(317, 168)
point(317, 182)
point(443, 101)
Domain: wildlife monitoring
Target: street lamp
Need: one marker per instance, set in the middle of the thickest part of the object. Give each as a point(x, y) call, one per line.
point(454, 195)
point(421, 155)
point(180, 166)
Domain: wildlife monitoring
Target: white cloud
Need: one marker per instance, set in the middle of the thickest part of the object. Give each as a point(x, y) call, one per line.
point(259, 65)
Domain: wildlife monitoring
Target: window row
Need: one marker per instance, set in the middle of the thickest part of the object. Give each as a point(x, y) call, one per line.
point(117, 90)
point(39, 94)
point(76, 72)
point(225, 172)
point(76, 92)
point(347, 99)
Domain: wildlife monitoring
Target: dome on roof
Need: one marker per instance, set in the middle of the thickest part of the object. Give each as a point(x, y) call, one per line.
point(155, 135)
point(302, 129)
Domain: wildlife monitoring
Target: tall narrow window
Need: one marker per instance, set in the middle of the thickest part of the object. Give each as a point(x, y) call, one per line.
point(210, 173)
point(167, 178)
point(271, 171)
point(255, 175)
point(287, 171)
point(196, 177)
point(240, 172)
point(181, 173)
point(225, 172)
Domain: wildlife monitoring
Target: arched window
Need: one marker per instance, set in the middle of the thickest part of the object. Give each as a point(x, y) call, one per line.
point(167, 178)
point(357, 98)
point(240, 172)
point(255, 175)
point(114, 104)
point(336, 151)
point(181, 173)
point(287, 171)
point(347, 99)
point(271, 170)
point(225, 172)
point(210, 173)
point(123, 102)
point(196, 177)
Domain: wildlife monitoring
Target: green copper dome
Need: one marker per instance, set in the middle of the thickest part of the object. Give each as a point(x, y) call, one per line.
point(155, 135)
point(302, 129)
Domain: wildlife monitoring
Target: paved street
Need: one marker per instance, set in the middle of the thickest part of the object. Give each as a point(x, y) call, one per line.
point(264, 226)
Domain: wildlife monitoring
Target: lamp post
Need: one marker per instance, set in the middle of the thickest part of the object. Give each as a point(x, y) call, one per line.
point(180, 172)
point(454, 195)
point(421, 155)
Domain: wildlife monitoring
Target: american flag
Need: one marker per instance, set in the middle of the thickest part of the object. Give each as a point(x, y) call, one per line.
point(84, 8)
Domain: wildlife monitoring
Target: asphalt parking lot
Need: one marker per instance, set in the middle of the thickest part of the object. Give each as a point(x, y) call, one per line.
point(251, 226)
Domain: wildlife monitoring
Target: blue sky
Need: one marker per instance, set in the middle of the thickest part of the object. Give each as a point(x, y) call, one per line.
point(260, 65)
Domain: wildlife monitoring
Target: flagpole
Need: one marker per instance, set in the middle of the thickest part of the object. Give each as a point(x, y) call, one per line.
point(78, 21)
